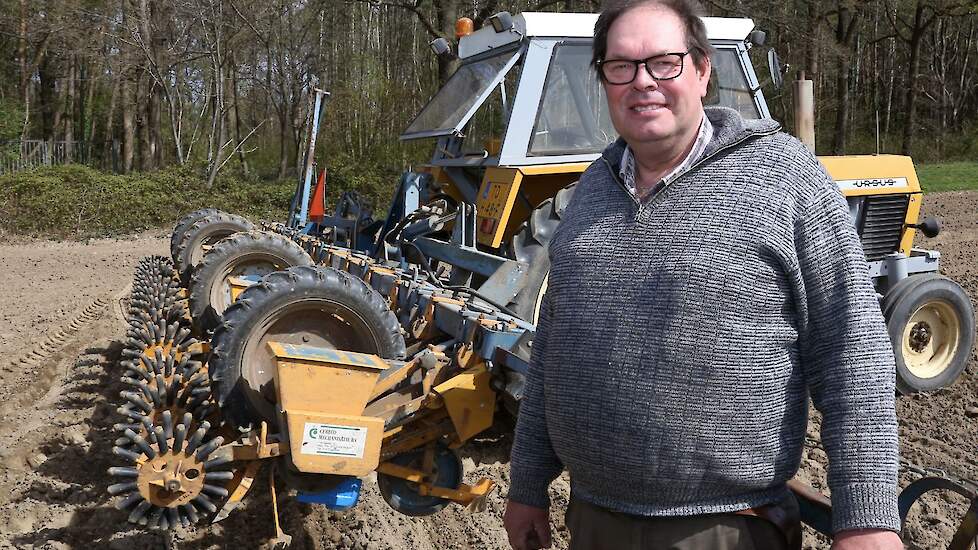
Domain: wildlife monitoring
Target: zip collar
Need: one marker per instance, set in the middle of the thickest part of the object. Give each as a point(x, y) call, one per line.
point(730, 129)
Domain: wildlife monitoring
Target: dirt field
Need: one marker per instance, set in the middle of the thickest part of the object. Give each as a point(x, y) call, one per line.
point(60, 320)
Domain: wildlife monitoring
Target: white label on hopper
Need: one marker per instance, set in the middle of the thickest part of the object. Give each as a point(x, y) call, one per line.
point(330, 440)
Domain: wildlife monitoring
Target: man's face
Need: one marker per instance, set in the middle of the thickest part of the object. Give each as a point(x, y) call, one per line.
point(664, 113)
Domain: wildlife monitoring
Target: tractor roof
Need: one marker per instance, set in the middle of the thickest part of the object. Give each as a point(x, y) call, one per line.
point(574, 25)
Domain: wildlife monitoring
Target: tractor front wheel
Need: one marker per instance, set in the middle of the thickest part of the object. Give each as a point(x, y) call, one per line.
point(931, 324)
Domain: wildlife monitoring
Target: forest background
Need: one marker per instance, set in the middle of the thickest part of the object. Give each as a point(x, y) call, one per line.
point(202, 92)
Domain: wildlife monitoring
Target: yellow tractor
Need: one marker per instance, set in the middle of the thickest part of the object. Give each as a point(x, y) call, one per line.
point(339, 346)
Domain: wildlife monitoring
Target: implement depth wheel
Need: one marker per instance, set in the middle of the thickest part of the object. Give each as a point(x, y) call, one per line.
point(201, 235)
point(403, 496)
point(251, 255)
point(181, 227)
point(931, 324)
point(314, 306)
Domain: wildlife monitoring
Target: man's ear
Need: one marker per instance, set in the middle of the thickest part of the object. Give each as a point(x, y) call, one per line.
point(703, 71)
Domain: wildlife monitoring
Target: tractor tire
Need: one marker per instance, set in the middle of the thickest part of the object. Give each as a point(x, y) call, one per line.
point(181, 227)
point(203, 234)
point(314, 306)
point(531, 245)
point(255, 254)
point(931, 324)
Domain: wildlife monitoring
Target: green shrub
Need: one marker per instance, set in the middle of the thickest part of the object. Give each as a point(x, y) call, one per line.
point(77, 201)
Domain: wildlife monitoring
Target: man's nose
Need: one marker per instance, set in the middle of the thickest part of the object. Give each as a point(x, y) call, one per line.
point(643, 80)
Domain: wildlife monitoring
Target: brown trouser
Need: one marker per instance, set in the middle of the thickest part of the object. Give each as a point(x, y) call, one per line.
point(594, 528)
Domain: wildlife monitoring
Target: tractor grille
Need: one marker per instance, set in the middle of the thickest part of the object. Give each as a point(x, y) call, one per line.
point(881, 226)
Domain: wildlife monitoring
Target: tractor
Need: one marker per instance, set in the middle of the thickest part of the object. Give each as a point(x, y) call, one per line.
point(334, 346)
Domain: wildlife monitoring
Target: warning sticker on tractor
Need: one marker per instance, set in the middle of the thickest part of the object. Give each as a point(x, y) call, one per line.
point(329, 440)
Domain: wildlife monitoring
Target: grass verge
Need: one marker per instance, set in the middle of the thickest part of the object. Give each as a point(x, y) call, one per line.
point(948, 176)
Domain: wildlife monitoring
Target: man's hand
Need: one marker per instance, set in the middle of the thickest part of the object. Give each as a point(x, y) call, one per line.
point(867, 539)
point(528, 527)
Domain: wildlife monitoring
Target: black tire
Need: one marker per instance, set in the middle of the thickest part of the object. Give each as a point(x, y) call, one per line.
point(316, 306)
point(931, 324)
point(181, 227)
point(531, 245)
point(204, 233)
point(255, 253)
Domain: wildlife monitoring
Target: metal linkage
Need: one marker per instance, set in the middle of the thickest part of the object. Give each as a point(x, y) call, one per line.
point(423, 308)
point(929, 479)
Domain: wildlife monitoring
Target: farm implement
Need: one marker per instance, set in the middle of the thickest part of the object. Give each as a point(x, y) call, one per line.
point(335, 347)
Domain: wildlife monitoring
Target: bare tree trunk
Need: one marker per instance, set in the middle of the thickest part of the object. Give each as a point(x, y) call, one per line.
point(128, 126)
point(237, 114)
point(107, 145)
point(69, 106)
point(917, 34)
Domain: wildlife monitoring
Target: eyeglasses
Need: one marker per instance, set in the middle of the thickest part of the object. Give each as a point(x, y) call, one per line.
point(660, 67)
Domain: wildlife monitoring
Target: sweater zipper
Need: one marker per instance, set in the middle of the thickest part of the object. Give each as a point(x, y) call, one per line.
point(703, 159)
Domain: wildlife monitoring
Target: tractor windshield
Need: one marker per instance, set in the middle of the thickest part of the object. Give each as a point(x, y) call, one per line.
point(573, 116)
point(728, 84)
point(450, 109)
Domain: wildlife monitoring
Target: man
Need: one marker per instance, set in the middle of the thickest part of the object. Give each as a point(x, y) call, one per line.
point(705, 281)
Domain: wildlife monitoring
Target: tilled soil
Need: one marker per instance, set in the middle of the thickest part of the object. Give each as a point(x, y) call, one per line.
point(60, 326)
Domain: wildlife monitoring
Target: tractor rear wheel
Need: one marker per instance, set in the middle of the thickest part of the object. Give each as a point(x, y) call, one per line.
point(303, 305)
point(253, 255)
point(203, 234)
point(181, 227)
point(531, 245)
point(931, 324)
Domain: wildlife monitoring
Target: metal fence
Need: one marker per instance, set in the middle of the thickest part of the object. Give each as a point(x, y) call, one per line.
point(16, 156)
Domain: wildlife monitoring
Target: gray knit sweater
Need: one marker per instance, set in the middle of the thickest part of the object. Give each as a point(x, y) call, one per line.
point(680, 339)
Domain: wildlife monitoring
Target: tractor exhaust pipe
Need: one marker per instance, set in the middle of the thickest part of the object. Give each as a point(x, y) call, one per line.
point(804, 91)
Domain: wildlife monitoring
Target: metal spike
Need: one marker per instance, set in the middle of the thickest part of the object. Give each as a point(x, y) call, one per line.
point(139, 513)
point(119, 488)
point(191, 513)
point(209, 448)
point(161, 440)
point(218, 476)
point(141, 443)
point(197, 438)
point(125, 453)
point(172, 518)
point(217, 462)
point(214, 490)
point(125, 471)
point(154, 517)
point(129, 500)
point(167, 425)
point(179, 434)
point(171, 331)
point(122, 441)
point(136, 400)
point(205, 502)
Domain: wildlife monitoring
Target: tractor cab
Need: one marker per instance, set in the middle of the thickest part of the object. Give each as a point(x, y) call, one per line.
point(525, 114)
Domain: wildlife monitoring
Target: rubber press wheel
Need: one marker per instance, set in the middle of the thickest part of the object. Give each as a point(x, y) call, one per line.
point(313, 306)
point(181, 227)
point(253, 254)
point(531, 245)
point(931, 324)
point(403, 495)
point(203, 234)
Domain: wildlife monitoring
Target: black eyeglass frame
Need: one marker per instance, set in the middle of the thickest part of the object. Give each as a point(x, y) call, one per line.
point(645, 62)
